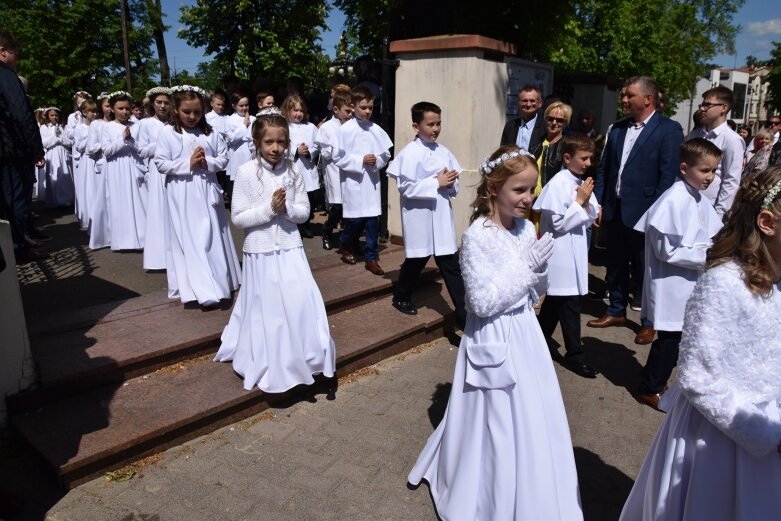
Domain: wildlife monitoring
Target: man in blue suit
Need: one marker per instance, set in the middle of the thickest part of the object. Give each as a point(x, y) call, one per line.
point(640, 162)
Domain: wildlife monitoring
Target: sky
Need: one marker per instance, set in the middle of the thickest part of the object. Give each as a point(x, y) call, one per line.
point(760, 22)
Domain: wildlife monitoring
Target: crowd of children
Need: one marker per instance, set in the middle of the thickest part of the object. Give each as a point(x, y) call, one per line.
point(503, 449)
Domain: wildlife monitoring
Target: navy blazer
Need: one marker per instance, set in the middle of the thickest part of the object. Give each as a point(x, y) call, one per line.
point(651, 168)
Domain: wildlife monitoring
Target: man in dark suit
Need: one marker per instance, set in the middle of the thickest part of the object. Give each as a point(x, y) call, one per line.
point(528, 130)
point(640, 162)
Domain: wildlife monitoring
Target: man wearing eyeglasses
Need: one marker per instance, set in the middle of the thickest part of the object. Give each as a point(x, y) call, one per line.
point(775, 128)
point(639, 163)
point(528, 130)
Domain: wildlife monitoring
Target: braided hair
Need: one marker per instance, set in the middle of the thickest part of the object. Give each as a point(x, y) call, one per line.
point(742, 240)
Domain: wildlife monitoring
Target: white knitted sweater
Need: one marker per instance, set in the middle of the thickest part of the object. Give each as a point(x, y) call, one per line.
point(496, 278)
point(264, 230)
point(730, 358)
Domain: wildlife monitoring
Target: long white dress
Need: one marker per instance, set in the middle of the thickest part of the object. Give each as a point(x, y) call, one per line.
point(240, 145)
point(202, 265)
point(327, 142)
point(155, 238)
point(126, 186)
point(714, 457)
point(100, 227)
point(305, 133)
point(80, 157)
point(503, 449)
point(59, 179)
point(278, 334)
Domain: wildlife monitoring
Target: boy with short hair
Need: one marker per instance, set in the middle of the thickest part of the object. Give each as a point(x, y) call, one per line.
point(327, 141)
point(716, 104)
point(678, 229)
point(567, 208)
point(364, 149)
point(264, 99)
point(426, 174)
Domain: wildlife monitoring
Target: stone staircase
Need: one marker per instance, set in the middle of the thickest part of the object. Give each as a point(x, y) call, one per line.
point(125, 380)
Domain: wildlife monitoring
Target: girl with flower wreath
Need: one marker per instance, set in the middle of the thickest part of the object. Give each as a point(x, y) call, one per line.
point(201, 264)
point(278, 334)
point(716, 456)
point(503, 450)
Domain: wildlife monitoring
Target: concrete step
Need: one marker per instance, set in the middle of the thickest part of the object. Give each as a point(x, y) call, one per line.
point(83, 436)
point(80, 350)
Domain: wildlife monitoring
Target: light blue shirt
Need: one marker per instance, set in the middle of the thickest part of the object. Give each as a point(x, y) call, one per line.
point(525, 133)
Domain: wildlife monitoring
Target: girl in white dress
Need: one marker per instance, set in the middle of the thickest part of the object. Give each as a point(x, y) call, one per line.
point(278, 334)
point(716, 456)
point(202, 264)
point(99, 227)
point(303, 152)
point(125, 176)
point(155, 240)
point(238, 128)
point(503, 449)
point(83, 176)
point(59, 178)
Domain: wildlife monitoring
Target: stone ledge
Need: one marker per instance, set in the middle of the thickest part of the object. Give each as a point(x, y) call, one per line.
point(452, 42)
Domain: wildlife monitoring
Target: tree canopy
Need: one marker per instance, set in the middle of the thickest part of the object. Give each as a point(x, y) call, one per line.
point(774, 80)
point(76, 45)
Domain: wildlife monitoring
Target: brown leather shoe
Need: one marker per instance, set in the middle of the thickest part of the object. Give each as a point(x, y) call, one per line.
point(374, 267)
point(347, 256)
point(607, 321)
point(645, 336)
point(651, 400)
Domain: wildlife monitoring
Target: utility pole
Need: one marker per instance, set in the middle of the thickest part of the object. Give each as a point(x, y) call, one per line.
point(123, 19)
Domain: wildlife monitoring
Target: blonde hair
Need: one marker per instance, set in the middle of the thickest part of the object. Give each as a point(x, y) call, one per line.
point(290, 104)
point(559, 106)
point(483, 205)
point(741, 240)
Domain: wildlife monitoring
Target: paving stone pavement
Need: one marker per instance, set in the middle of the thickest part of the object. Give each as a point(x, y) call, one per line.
point(345, 459)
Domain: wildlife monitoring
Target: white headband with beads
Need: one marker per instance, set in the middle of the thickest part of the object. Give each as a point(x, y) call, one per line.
point(488, 166)
point(770, 198)
point(269, 111)
point(154, 91)
point(189, 88)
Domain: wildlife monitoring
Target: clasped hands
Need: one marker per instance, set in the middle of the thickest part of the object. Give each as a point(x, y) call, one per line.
point(278, 201)
point(198, 158)
point(447, 178)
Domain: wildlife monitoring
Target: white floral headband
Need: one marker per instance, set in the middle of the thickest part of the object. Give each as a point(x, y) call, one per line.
point(189, 88)
point(488, 166)
point(269, 111)
point(154, 91)
point(117, 94)
point(102, 96)
point(770, 198)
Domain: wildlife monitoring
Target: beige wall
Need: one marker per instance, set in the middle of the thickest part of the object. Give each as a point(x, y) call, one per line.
point(16, 364)
point(471, 92)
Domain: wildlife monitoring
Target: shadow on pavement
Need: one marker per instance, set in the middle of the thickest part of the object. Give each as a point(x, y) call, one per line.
point(439, 399)
point(616, 362)
point(603, 488)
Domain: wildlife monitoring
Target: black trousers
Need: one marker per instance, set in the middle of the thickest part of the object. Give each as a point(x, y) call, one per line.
point(334, 216)
point(564, 310)
point(662, 358)
point(16, 193)
point(451, 272)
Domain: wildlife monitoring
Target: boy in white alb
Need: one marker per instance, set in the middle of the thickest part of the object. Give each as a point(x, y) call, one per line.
point(678, 231)
point(364, 149)
point(327, 142)
point(567, 207)
point(426, 174)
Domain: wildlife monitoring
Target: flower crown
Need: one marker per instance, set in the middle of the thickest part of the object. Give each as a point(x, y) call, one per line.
point(154, 91)
point(102, 96)
point(488, 166)
point(771, 196)
point(269, 111)
point(117, 94)
point(189, 88)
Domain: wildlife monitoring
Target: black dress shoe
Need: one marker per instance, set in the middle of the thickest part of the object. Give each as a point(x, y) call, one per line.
point(405, 306)
point(327, 242)
point(38, 235)
point(580, 368)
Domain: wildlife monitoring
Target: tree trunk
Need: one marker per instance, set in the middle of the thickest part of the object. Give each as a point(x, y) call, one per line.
point(158, 31)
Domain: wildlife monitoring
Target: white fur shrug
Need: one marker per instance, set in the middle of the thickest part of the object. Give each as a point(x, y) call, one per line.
point(730, 358)
point(496, 278)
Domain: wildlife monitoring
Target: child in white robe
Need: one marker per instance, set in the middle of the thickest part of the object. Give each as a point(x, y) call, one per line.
point(567, 207)
point(56, 143)
point(100, 227)
point(327, 142)
point(364, 149)
point(278, 334)
point(83, 177)
point(426, 174)
point(156, 240)
point(678, 229)
point(75, 119)
point(201, 264)
point(238, 129)
point(503, 448)
point(716, 456)
point(303, 152)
